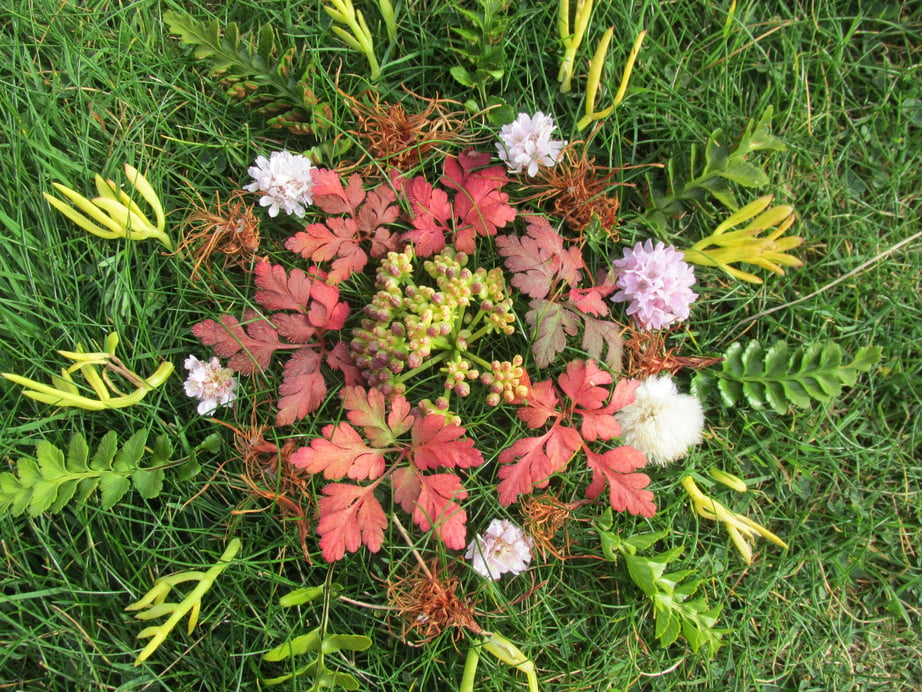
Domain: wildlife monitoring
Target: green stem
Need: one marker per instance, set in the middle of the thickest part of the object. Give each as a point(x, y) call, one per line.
point(470, 669)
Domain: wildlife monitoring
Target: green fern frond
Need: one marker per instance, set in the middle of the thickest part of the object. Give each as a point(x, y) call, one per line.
point(262, 76)
point(781, 377)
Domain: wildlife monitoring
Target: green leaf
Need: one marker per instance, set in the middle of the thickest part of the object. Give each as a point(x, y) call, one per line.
point(43, 496)
point(105, 452)
point(131, 453)
point(299, 596)
point(50, 461)
point(463, 77)
point(112, 487)
point(296, 647)
point(350, 642)
point(745, 174)
point(148, 482)
point(785, 378)
point(77, 454)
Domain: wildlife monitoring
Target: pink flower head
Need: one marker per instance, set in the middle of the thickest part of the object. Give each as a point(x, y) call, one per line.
point(526, 143)
point(284, 181)
point(504, 547)
point(212, 384)
point(656, 283)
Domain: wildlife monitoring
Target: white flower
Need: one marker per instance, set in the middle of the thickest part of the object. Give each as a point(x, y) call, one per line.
point(504, 547)
point(661, 423)
point(212, 384)
point(527, 144)
point(284, 180)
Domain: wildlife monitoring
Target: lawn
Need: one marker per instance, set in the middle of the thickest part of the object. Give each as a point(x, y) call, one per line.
point(833, 470)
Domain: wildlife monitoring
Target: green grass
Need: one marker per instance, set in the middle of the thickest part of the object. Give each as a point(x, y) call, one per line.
point(88, 87)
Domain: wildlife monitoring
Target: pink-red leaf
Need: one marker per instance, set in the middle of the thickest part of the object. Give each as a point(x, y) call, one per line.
point(436, 443)
point(540, 404)
point(326, 311)
point(591, 301)
point(626, 488)
point(480, 206)
point(538, 259)
point(334, 240)
point(436, 508)
point(407, 488)
point(279, 290)
point(431, 216)
point(367, 408)
point(340, 453)
point(530, 462)
point(340, 359)
point(249, 348)
point(582, 383)
point(303, 387)
point(552, 324)
point(329, 194)
point(349, 515)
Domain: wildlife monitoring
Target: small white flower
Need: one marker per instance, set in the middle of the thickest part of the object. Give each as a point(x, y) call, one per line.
point(661, 423)
point(504, 547)
point(527, 144)
point(212, 384)
point(284, 181)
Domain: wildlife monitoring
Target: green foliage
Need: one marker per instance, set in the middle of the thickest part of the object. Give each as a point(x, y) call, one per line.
point(51, 480)
point(482, 45)
point(262, 76)
point(155, 606)
point(782, 377)
point(689, 183)
point(318, 641)
point(671, 593)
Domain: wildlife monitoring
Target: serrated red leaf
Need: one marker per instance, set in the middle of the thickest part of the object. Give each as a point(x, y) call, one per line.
point(530, 462)
point(430, 215)
point(367, 408)
point(379, 209)
point(627, 489)
point(599, 422)
point(279, 290)
point(538, 260)
point(405, 480)
point(349, 515)
point(479, 205)
point(249, 348)
point(333, 240)
point(329, 194)
point(552, 323)
point(540, 404)
point(340, 453)
point(340, 359)
point(326, 311)
point(603, 340)
point(436, 443)
point(436, 508)
point(591, 301)
point(303, 387)
point(582, 384)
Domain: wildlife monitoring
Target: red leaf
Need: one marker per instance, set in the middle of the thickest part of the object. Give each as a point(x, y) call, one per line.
point(431, 216)
point(379, 209)
point(581, 383)
point(340, 359)
point(330, 196)
point(407, 488)
point(340, 453)
point(552, 323)
point(436, 443)
point(366, 409)
point(278, 290)
point(327, 313)
point(626, 489)
point(603, 340)
point(334, 240)
point(303, 388)
point(296, 327)
point(479, 205)
point(531, 461)
point(249, 349)
point(591, 301)
point(435, 508)
point(538, 259)
point(349, 515)
point(540, 404)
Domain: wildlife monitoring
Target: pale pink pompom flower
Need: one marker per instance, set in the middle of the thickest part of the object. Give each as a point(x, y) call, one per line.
point(284, 181)
point(502, 548)
point(526, 143)
point(656, 283)
point(210, 383)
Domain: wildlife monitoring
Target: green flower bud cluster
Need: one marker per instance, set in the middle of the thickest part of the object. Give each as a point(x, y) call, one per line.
point(408, 326)
point(506, 381)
